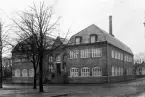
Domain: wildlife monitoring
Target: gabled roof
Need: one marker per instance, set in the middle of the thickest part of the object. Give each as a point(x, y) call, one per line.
point(102, 36)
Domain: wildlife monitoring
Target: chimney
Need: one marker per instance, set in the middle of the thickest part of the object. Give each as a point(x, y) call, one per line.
point(110, 25)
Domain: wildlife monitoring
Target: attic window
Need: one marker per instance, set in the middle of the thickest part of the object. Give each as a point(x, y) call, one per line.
point(78, 39)
point(93, 38)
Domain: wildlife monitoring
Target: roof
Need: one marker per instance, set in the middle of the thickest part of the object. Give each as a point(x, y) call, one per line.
point(48, 40)
point(102, 36)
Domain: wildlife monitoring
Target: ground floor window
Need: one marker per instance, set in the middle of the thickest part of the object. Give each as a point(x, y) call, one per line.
point(96, 71)
point(74, 72)
point(24, 73)
point(17, 73)
point(85, 71)
point(117, 71)
point(129, 71)
point(31, 73)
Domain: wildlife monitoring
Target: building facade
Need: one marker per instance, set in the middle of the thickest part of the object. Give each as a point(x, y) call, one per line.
point(90, 56)
point(96, 56)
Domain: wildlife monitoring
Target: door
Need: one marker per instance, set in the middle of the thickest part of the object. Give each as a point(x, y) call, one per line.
point(58, 68)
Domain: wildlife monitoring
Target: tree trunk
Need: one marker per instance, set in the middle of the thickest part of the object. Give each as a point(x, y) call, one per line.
point(34, 83)
point(41, 73)
point(1, 70)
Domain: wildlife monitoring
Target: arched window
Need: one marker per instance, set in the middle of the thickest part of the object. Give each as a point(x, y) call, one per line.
point(85, 71)
point(31, 73)
point(24, 73)
point(96, 71)
point(74, 72)
point(17, 73)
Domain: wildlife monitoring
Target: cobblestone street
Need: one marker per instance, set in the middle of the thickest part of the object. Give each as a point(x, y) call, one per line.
point(135, 88)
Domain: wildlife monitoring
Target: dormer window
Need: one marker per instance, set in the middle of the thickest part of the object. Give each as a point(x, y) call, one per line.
point(93, 38)
point(78, 39)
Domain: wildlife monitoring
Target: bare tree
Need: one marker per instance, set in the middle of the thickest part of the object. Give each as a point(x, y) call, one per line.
point(4, 46)
point(35, 26)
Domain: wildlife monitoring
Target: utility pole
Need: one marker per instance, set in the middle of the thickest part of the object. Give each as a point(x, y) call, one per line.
point(1, 71)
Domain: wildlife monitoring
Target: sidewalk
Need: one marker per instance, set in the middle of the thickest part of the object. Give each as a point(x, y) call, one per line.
point(121, 89)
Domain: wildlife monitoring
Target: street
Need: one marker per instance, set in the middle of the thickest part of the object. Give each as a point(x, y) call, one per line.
point(135, 88)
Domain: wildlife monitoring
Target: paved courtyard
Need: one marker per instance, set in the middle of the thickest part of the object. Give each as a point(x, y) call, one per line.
point(135, 88)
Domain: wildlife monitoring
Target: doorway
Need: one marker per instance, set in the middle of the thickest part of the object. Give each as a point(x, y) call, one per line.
point(58, 68)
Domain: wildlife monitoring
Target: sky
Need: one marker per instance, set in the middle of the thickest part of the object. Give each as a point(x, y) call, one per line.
point(127, 15)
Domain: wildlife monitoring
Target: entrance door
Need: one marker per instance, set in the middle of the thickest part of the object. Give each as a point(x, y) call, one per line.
point(58, 68)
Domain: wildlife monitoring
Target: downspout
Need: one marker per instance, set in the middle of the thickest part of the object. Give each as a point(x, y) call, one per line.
point(107, 62)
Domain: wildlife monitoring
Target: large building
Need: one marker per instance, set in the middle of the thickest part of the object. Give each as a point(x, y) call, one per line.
point(95, 56)
point(90, 56)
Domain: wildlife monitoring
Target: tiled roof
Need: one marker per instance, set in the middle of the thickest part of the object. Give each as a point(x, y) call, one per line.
point(102, 36)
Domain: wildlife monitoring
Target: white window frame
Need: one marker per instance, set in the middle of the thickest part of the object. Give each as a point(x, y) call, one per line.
point(116, 71)
point(85, 53)
point(96, 71)
point(50, 59)
point(85, 72)
point(73, 54)
point(113, 71)
point(96, 52)
point(93, 38)
point(112, 53)
point(116, 54)
point(78, 40)
point(24, 73)
point(17, 72)
point(74, 72)
point(31, 73)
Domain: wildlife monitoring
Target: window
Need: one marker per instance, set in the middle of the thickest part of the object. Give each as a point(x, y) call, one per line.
point(96, 52)
point(58, 58)
point(113, 71)
point(31, 73)
point(121, 56)
point(17, 73)
point(85, 71)
point(93, 38)
point(74, 72)
point(116, 55)
point(78, 40)
point(50, 68)
point(50, 59)
point(124, 58)
point(116, 71)
point(96, 71)
point(24, 73)
point(112, 53)
point(121, 71)
point(74, 54)
point(85, 53)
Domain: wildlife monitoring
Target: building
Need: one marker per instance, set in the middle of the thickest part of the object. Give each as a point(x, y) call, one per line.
point(95, 56)
point(90, 56)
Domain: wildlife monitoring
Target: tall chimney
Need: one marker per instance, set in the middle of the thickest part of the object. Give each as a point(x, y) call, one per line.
point(110, 25)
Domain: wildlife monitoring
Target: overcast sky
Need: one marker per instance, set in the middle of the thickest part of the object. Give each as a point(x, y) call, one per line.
point(128, 17)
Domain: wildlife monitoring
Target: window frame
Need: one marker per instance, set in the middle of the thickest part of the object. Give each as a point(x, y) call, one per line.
point(85, 72)
point(74, 72)
point(96, 71)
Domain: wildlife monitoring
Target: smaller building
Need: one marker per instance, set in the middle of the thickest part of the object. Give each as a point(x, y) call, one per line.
point(139, 69)
point(22, 68)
